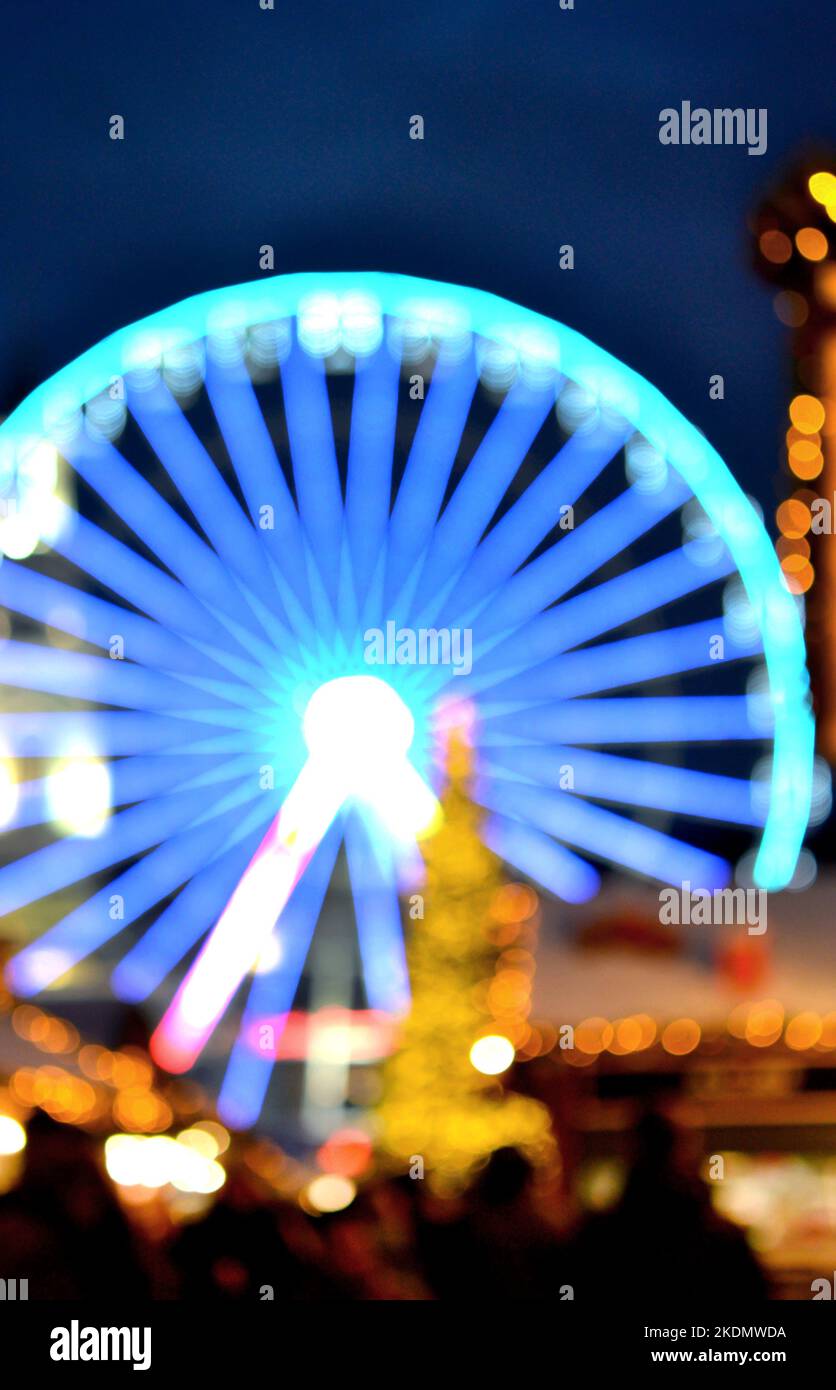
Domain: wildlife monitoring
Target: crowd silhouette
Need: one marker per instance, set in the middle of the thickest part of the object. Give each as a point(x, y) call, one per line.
point(64, 1229)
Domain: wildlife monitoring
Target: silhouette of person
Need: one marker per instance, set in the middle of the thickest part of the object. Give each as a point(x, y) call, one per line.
point(663, 1240)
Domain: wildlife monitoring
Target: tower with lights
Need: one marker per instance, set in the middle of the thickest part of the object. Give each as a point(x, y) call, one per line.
point(795, 230)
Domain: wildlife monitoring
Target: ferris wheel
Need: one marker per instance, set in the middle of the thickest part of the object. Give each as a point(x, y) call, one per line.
point(321, 519)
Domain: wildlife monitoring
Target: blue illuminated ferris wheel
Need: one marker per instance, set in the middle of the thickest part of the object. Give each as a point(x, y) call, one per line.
point(322, 518)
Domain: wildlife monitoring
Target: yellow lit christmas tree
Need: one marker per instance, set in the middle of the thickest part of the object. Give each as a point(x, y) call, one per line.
point(443, 1102)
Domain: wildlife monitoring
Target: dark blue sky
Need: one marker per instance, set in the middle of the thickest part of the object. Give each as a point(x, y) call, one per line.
point(291, 127)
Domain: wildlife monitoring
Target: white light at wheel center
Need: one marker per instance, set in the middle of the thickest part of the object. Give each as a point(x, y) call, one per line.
point(358, 732)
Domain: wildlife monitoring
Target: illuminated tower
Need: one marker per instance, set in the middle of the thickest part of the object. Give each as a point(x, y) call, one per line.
point(795, 229)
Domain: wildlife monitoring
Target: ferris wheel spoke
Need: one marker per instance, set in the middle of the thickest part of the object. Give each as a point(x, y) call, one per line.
point(374, 415)
point(315, 471)
point(97, 678)
point(598, 610)
point(192, 913)
point(608, 836)
point(378, 915)
point(74, 858)
point(157, 524)
point(481, 489)
point(112, 733)
point(253, 455)
point(97, 621)
point(577, 556)
point(530, 519)
point(628, 661)
point(194, 614)
point(139, 888)
point(431, 458)
point(131, 779)
point(637, 720)
point(633, 782)
point(201, 485)
point(538, 856)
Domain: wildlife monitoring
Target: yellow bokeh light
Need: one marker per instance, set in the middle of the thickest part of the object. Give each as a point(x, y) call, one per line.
point(811, 243)
point(775, 246)
point(822, 185)
point(330, 1192)
point(765, 1023)
point(12, 1136)
point(805, 459)
point(794, 518)
point(492, 1054)
point(681, 1037)
point(200, 1141)
point(803, 1031)
point(826, 284)
point(593, 1036)
point(807, 414)
point(627, 1036)
point(514, 902)
point(827, 1037)
point(798, 573)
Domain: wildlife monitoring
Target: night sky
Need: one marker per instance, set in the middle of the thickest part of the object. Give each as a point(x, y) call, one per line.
point(292, 127)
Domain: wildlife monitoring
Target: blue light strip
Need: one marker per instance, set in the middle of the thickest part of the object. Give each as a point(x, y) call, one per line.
point(96, 621)
point(608, 836)
point(642, 719)
point(131, 779)
point(150, 589)
point(601, 609)
point(194, 911)
point(612, 665)
point(377, 910)
point(481, 489)
point(373, 420)
point(530, 519)
point(66, 861)
point(578, 555)
point(253, 456)
point(112, 733)
point(157, 524)
point(201, 485)
point(315, 471)
point(431, 458)
point(540, 858)
point(631, 782)
point(97, 678)
point(141, 887)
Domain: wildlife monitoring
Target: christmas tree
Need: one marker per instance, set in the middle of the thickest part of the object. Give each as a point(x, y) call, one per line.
point(443, 1104)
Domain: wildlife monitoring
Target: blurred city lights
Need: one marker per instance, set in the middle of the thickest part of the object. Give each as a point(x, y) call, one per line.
point(138, 1160)
point(811, 243)
point(330, 1192)
point(79, 795)
point(822, 185)
point(12, 1136)
point(492, 1054)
